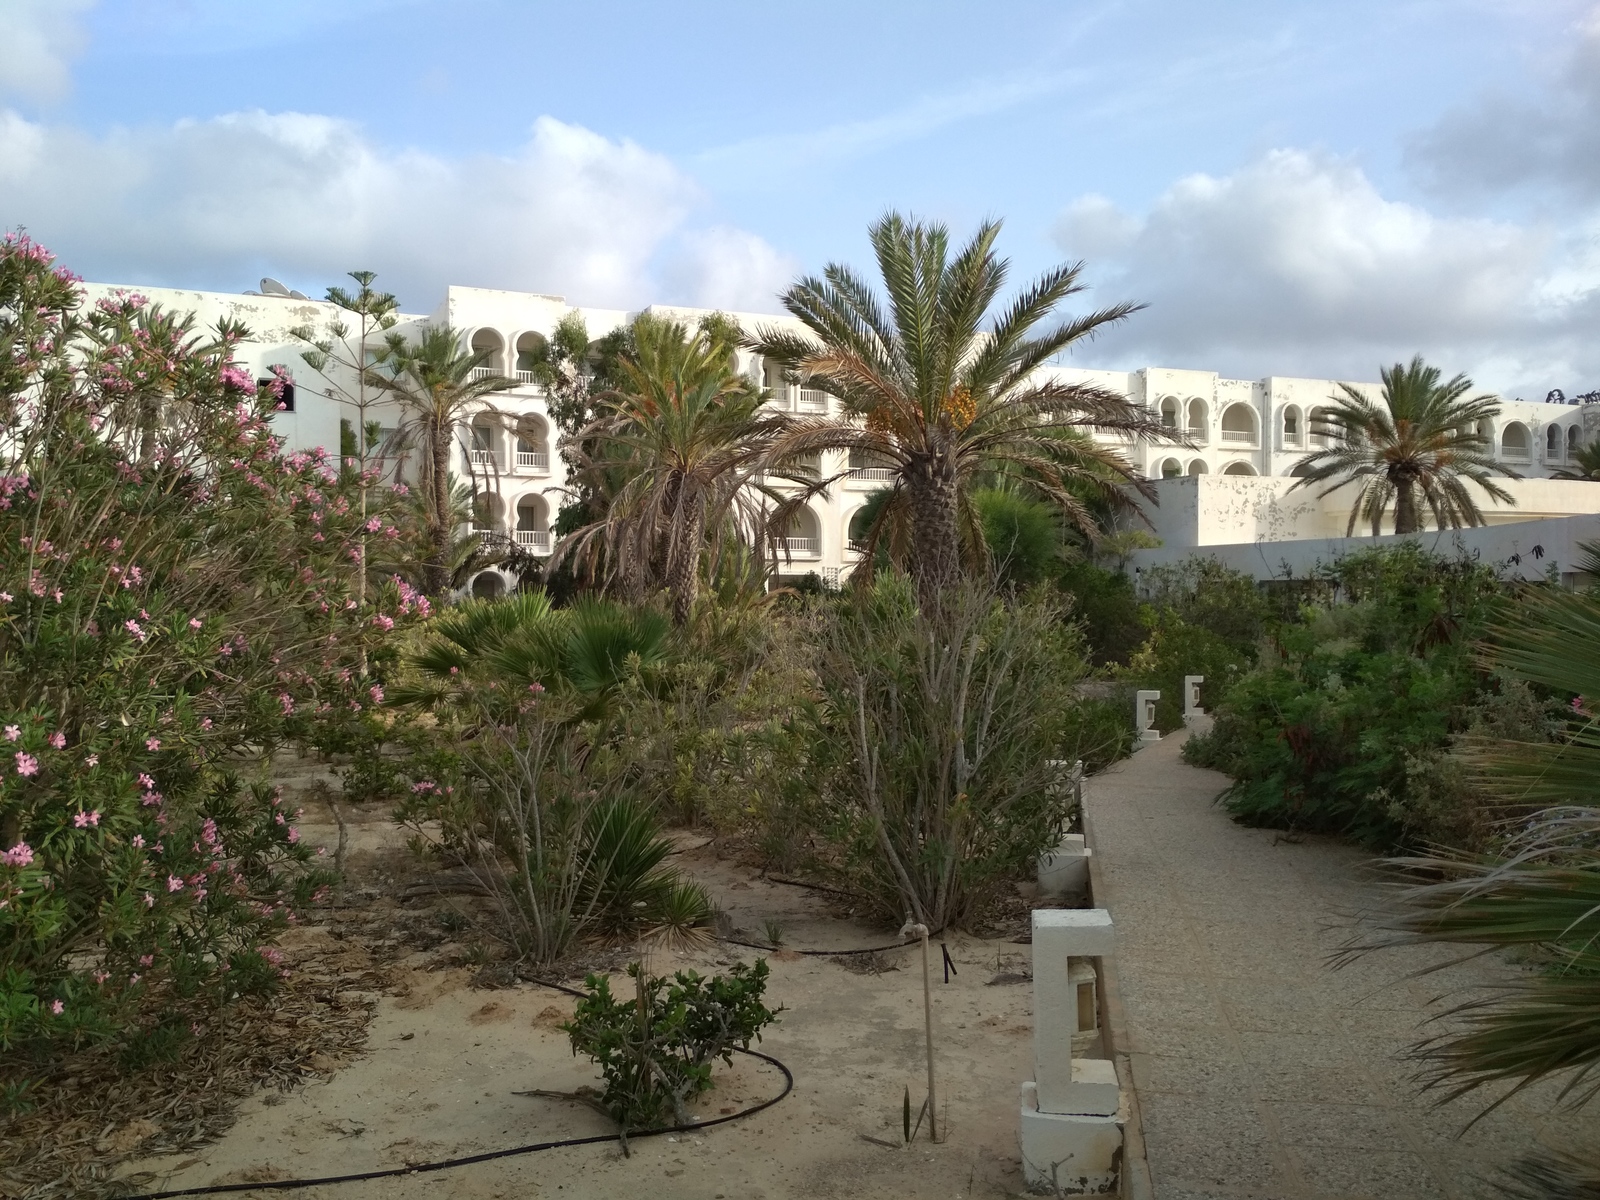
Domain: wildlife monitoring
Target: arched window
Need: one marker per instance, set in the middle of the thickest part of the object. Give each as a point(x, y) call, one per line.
point(1171, 468)
point(530, 352)
point(1198, 467)
point(485, 443)
point(1514, 442)
point(533, 524)
point(1319, 431)
point(488, 585)
point(533, 445)
point(1169, 412)
point(1574, 440)
point(1239, 424)
point(772, 380)
point(486, 509)
point(1291, 426)
point(802, 538)
point(1238, 468)
point(855, 528)
point(1300, 472)
point(1197, 420)
point(492, 346)
point(1553, 444)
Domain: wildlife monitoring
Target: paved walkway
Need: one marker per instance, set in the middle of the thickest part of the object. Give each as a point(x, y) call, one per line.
point(1259, 1071)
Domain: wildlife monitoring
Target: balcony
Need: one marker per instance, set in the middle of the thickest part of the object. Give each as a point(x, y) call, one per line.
point(798, 547)
point(526, 377)
point(1238, 437)
point(537, 540)
point(533, 460)
point(486, 373)
point(812, 400)
point(483, 458)
point(873, 474)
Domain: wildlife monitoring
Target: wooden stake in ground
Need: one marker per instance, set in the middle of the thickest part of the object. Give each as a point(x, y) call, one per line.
point(921, 931)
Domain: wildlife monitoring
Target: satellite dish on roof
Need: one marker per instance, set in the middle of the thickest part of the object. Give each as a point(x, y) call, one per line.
point(296, 294)
point(271, 287)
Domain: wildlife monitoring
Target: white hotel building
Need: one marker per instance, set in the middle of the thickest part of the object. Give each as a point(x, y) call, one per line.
point(1226, 493)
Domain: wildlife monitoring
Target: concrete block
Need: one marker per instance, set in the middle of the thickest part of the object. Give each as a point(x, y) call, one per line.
point(1065, 870)
point(1144, 715)
point(1068, 1155)
point(1191, 696)
point(1061, 935)
point(1090, 1091)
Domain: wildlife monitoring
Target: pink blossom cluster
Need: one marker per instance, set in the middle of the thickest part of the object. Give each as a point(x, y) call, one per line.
point(19, 855)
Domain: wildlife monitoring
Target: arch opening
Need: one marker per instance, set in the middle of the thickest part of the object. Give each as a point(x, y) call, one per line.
point(491, 345)
point(531, 350)
point(1239, 424)
point(1514, 442)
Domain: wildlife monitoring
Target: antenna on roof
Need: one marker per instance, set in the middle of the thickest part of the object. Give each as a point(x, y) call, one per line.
point(271, 287)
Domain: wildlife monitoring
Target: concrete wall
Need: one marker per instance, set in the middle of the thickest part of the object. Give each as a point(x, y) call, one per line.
point(1526, 549)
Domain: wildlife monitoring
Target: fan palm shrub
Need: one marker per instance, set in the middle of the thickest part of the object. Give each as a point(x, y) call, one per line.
point(1585, 465)
point(1539, 894)
point(436, 382)
point(675, 453)
point(1417, 449)
point(941, 388)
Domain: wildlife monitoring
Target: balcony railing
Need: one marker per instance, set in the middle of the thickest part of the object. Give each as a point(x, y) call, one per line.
point(483, 458)
point(487, 372)
point(537, 539)
point(799, 547)
point(1239, 437)
point(526, 377)
point(533, 460)
point(812, 400)
point(872, 474)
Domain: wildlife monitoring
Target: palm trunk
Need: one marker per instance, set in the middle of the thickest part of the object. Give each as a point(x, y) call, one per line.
point(438, 570)
point(1405, 507)
point(935, 562)
point(683, 580)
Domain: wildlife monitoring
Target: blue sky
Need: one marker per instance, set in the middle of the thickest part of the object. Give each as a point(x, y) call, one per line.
point(1296, 188)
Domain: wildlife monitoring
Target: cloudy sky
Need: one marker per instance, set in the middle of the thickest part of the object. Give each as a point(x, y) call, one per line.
point(1295, 187)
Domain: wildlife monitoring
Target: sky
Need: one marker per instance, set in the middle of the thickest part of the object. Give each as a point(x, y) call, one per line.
point(1291, 187)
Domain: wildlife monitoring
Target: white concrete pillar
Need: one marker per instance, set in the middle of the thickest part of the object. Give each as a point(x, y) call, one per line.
point(1144, 716)
point(1191, 696)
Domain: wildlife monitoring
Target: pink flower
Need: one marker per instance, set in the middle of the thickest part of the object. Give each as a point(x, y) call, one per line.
point(174, 884)
point(83, 820)
point(57, 1007)
point(145, 781)
point(58, 739)
point(12, 733)
point(294, 835)
point(92, 761)
point(286, 702)
point(147, 960)
point(194, 622)
point(376, 693)
point(27, 764)
point(138, 841)
point(206, 724)
point(152, 743)
point(149, 900)
point(19, 855)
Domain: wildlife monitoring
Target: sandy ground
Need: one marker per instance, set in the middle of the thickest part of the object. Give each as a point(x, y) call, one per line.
point(445, 1060)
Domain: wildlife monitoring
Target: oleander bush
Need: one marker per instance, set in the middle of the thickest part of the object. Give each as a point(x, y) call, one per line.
point(1349, 723)
point(175, 598)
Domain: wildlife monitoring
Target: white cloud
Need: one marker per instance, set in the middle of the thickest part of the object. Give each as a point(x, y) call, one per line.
point(1297, 265)
point(38, 39)
point(218, 202)
point(731, 269)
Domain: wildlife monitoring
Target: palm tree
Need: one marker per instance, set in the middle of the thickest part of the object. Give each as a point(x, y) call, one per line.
point(941, 393)
point(1587, 464)
point(1420, 443)
point(436, 381)
point(674, 450)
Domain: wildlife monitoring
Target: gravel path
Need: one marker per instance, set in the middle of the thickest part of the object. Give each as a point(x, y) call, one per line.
point(1259, 1071)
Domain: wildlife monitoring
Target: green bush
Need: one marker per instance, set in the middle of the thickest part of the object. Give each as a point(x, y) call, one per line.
point(933, 743)
point(1104, 603)
point(1345, 726)
point(656, 1048)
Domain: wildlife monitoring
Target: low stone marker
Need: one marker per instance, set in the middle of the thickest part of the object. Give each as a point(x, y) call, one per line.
point(1191, 697)
point(1144, 716)
point(1071, 1130)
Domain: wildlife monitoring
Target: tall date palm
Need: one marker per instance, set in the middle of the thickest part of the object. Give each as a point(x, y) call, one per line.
point(1414, 449)
point(940, 388)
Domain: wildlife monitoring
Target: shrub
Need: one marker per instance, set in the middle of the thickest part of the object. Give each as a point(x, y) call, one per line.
point(1343, 727)
point(1104, 604)
point(174, 592)
point(657, 1047)
point(933, 744)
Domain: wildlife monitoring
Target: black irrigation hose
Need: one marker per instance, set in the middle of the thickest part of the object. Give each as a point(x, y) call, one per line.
point(284, 1185)
point(819, 953)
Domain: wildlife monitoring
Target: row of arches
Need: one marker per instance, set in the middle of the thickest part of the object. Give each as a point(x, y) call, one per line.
point(523, 350)
point(1190, 417)
point(523, 445)
point(1172, 468)
point(531, 527)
